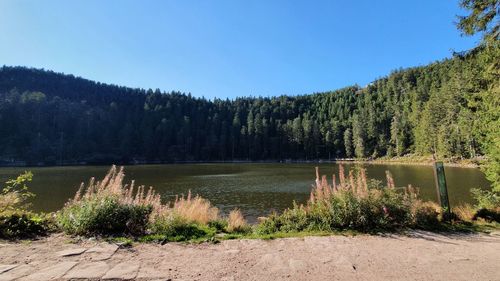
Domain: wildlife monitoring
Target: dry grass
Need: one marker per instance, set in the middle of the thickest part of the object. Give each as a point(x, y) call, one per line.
point(195, 209)
point(191, 208)
point(236, 221)
point(464, 212)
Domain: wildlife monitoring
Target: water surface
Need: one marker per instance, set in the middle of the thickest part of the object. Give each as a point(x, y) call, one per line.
point(257, 189)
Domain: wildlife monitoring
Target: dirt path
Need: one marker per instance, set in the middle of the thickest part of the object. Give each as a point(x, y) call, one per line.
point(420, 256)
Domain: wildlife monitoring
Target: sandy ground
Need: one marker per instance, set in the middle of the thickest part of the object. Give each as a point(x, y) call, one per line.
point(416, 256)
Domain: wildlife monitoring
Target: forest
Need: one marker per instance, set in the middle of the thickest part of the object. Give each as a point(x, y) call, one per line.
point(53, 118)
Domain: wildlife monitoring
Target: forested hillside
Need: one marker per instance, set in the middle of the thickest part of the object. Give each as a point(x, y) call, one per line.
point(52, 118)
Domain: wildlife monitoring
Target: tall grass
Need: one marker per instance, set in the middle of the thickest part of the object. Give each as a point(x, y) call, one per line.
point(109, 207)
point(236, 222)
point(353, 203)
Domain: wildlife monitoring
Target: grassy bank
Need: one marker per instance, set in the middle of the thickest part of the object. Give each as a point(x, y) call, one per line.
point(349, 203)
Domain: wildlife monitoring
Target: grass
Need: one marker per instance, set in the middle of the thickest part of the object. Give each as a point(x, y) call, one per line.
point(354, 203)
point(108, 207)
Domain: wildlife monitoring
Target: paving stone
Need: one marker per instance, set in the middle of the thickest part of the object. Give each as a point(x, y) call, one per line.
point(7, 267)
point(92, 270)
point(71, 252)
point(102, 252)
point(51, 272)
point(17, 272)
point(124, 270)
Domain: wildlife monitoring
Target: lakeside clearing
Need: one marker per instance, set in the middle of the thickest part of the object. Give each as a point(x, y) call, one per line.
point(419, 255)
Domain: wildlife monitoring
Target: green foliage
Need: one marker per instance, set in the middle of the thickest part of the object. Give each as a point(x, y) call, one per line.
point(103, 216)
point(15, 193)
point(482, 17)
point(486, 199)
point(22, 224)
point(174, 228)
point(219, 225)
point(384, 209)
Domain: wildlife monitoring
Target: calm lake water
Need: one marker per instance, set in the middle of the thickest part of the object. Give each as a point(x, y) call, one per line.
point(257, 189)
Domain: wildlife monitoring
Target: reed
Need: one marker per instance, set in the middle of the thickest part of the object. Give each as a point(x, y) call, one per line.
point(354, 203)
point(113, 185)
point(464, 212)
point(195, 209)
point(236, 222)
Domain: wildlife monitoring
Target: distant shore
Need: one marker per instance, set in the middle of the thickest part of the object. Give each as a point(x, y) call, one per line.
point(405, 160)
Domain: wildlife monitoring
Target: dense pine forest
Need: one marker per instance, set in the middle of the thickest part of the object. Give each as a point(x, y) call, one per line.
point(51, 118)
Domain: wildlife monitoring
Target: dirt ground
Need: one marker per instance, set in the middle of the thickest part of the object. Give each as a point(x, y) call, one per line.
point(416, 256)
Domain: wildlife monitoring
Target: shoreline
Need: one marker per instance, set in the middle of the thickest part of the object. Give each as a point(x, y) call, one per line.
point(468, 163)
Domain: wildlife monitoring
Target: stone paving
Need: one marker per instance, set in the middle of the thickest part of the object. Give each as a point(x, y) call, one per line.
point(420, 256)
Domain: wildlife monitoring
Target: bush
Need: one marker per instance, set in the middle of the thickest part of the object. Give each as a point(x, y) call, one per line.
point(23, 224)
point(356, 204)
point(427, 215)
point(176, 228)
point(105, 216)
point(486, 199)
point(108, 208)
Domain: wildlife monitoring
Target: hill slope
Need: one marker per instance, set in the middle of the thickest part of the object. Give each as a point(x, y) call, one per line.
point(50, 118)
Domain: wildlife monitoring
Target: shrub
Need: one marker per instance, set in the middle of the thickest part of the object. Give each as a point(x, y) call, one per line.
point(107, 216)
point(15, 221)
point(486, 199)
point(220, 225)
point(354, 203)
point(176, 228)
point(15, 193)
point(108, 208)
point(23, 224)
point(427, 215)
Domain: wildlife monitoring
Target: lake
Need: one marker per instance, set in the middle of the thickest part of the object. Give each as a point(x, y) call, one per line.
point(257, 189)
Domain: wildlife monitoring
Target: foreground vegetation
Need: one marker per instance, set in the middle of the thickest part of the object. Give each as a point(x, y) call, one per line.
point(125, 212)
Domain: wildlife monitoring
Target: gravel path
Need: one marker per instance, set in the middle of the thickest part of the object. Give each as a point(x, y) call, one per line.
point(418, 256)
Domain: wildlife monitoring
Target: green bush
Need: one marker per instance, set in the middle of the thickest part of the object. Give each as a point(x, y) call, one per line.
point(23, 224)
point(219, 225)
point(486, 199)
point(385, 209)
point(104, 216)
point(175, 228)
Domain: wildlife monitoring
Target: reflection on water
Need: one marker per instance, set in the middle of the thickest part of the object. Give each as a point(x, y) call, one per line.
point(257, 189)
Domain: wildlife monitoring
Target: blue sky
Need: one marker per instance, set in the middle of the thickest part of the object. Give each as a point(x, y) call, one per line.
point(229, 48)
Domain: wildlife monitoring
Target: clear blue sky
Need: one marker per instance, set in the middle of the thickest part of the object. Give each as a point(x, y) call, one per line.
point(229, 48)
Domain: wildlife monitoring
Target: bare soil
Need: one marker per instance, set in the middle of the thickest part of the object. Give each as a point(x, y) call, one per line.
point(416, 256)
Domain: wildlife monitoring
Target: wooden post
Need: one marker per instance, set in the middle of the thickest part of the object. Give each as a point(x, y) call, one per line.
point(441, 188)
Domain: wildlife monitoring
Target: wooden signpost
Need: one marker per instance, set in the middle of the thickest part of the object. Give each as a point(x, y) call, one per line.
point(441, 188)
